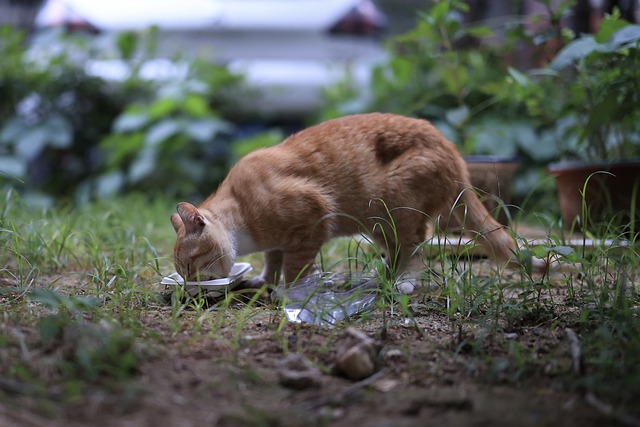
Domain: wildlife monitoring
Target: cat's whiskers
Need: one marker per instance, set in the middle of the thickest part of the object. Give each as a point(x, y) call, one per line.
point(207, 272)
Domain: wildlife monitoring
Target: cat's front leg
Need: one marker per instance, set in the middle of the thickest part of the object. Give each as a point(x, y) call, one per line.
point(405, 260)
point(271, 271)
point(299, 263)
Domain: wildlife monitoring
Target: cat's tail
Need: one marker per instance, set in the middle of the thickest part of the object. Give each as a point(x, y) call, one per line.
point(492, 236)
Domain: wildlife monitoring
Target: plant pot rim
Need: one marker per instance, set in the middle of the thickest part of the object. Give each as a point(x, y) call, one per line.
point(491, 158)
point(577, 165)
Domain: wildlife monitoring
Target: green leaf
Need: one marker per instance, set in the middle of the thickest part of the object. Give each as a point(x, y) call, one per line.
point(162, 131)
point(130, 122)
point(480, 31)
point(31, 143)
point(519, 77)
point(162, 108)
point(439, 11)
point(244, 146)
point(454, 77)
point(540, 252)
point(50, 299)
point(205, 130)
point(603, 113)
point(127, 42)
point(142, 166)
point(50, 327)
point(59, 130)
point(608, 27)
point(195, 106)
point(83, 303)
point(11, 130)
point(12, 167)
point(575, 51)
point(402, 70)
point(561, 250)
point(120, 148)
point(458, 116)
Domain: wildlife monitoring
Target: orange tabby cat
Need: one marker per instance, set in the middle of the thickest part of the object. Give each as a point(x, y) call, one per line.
point(331, 180)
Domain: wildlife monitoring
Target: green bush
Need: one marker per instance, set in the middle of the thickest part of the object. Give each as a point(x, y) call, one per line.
point(582, 104)
point(53, 115)
point(587, 98)
point(436, 71)
point(445, 70)
point(175, 143)
point(66, 134)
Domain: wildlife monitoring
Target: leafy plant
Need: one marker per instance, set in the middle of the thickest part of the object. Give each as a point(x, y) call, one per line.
point(53, 113)
point(457, 75)
point(56, 111)
point(436, 71)
point(75, 353)
point(176, 143)
point(587, 97)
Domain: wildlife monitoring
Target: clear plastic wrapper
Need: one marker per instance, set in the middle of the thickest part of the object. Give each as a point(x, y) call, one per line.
point(324, 299)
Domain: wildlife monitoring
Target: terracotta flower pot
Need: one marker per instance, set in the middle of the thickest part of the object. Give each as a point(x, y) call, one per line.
point(612, 191)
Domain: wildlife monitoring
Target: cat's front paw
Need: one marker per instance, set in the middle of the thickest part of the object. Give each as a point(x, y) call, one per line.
point(256, 282)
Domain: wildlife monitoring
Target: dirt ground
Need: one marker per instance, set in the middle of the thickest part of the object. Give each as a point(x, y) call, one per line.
point(423, 376)
point(428, 371)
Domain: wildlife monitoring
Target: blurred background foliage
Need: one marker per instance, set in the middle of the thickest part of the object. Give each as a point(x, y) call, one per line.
point(534, 90)
point(68, 136)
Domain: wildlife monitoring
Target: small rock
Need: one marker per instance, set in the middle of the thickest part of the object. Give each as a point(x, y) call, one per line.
point(511, 335)
point(406, 287)
point(356, 355)
point(386, 385)
point(393, 354)
point(296, 372)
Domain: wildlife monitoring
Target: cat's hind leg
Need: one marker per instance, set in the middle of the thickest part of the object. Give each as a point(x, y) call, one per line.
point(404, 254)
point(411, 266)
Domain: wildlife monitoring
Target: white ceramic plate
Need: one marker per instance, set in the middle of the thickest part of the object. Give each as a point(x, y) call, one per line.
point(213, 288)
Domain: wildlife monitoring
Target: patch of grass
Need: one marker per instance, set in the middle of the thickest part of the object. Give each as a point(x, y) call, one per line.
point(82, 312)
point(75, 285)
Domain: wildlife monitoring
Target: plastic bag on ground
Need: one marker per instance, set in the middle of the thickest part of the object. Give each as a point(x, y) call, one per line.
point(324, 299)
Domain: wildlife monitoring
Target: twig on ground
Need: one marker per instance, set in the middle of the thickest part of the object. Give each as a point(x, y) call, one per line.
point(607, 409)
point(576, 355)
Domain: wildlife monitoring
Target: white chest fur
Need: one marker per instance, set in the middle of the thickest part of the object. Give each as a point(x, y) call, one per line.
point(244, 243)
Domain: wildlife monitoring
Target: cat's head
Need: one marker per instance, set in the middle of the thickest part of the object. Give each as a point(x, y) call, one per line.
point(203, 249)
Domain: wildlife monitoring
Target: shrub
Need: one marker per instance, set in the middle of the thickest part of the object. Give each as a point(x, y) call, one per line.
point(67, 134)
point(588, 96)
point(53, 115)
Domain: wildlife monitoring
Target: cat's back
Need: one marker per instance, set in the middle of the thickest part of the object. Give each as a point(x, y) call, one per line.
point(368, 130)
point(370, 140)
point(357, 147)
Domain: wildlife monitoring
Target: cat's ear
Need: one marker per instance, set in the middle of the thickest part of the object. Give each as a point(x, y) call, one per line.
point(191, 217)
point(176, 222)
